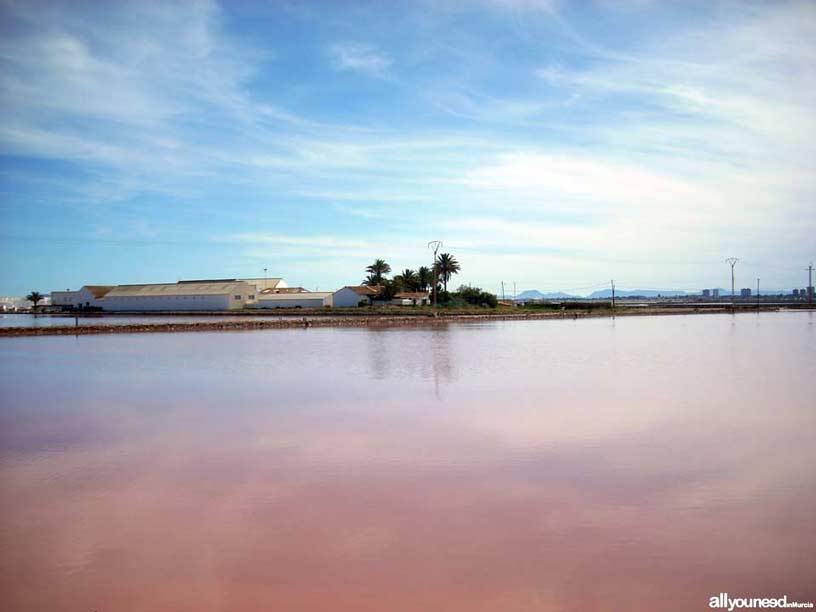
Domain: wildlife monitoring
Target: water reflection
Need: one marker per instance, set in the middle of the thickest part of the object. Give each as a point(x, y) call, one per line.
point(569, 465)
point(411, 352)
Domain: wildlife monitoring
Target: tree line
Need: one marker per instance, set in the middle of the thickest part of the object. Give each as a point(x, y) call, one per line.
point(422, 279)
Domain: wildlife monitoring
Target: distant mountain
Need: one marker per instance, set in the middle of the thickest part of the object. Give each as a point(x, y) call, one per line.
point(621, 293)
point(535, 294)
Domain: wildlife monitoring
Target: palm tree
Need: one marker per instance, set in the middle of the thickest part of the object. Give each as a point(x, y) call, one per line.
point(408, 279)
point(34, 297)
point(377, 271)
point(446, 266)
point(372, 281)
point(424, 278)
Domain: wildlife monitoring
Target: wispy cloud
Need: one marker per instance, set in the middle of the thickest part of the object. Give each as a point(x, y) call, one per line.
point(359, 57)
point(547, 6)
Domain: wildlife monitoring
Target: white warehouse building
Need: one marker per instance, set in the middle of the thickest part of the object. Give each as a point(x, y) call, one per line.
point(227, 294)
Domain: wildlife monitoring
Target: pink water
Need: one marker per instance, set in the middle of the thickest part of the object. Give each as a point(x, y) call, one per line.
point(646, 463)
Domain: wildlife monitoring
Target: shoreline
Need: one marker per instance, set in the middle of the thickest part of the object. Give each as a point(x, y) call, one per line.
point(357, 319)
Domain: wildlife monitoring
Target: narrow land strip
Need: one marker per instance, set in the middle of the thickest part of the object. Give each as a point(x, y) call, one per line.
point(322, 319)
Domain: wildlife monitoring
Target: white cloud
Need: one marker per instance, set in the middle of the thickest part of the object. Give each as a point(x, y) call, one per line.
point(360, 57)
point(546, 6)
point(586, 183)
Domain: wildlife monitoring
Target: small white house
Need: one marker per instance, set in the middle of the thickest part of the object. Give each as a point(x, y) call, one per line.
point(184, 295)
point(304, 299)
point(412, 298)
point(352, 296)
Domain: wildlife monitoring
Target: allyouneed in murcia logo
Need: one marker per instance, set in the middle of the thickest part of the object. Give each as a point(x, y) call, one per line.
point(724, 602)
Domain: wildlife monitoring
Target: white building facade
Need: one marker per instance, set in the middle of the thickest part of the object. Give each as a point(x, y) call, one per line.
point(351, 296)
point(89, 296)
point(412, 298)
point(305, 299)
point(181, 296)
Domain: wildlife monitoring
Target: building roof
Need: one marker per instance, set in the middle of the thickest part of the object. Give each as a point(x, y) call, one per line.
point(270, 282)
point(305, 295)
point(284, 290)
point(99, 291)
point(412, 295)
point(363, 289)
point(171, 289)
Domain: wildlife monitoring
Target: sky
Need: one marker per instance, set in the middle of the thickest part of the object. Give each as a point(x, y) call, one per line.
point(549, 144)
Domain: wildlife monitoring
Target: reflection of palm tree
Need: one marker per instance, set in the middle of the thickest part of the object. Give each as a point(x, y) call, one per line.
point(446, 266)
point(378, 270)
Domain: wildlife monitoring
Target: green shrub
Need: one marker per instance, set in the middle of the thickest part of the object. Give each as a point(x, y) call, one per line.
point(474, 296)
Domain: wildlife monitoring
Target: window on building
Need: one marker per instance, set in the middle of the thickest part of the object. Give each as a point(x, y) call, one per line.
point(237, 297)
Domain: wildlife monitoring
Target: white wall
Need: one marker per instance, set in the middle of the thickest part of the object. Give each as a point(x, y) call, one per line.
point(76, 299)
point(85, 298)
point(345, 298)
point(171, 302)
point(294, 302)
point(64, 298)
point(424, 301)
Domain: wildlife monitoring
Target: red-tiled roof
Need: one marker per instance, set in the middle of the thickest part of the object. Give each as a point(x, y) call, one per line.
point(363, 289)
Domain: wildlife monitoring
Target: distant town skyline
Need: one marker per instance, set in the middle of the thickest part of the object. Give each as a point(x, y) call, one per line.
point(548, 143)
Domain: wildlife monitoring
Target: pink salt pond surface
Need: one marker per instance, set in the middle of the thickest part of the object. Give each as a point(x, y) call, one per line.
point(643, 463)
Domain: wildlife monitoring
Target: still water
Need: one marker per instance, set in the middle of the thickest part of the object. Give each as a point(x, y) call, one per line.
point(29, 320)
point(643, 463)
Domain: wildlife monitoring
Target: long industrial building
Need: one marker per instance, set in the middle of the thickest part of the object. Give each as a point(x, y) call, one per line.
point(218, 294)
point(184, 295)
point(192, 295)
point(209, 294)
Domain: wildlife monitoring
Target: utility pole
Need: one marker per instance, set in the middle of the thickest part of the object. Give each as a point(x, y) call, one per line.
point(757, 294)
point(434, 245)
point(732, 261)
point(502, 289)
point(810, 283)
point(264, 275)
point(613, 293)
point(514, 291)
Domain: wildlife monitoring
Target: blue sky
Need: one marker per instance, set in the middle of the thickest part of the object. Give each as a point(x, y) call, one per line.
point(555, 144)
